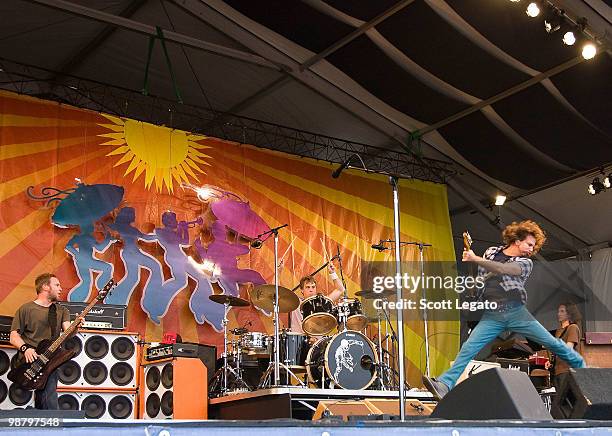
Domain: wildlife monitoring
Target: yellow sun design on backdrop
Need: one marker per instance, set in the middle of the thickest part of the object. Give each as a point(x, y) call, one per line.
point(165, 155)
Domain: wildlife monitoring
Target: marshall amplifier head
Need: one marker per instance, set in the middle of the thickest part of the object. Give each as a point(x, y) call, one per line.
point(101, 316)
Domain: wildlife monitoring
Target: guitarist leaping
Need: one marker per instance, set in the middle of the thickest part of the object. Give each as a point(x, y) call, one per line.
point(36, 334)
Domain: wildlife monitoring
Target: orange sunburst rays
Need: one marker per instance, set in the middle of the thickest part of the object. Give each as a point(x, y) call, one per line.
point(165, 155)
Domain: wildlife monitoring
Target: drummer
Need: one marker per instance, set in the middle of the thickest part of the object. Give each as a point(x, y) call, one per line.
point(308, 286)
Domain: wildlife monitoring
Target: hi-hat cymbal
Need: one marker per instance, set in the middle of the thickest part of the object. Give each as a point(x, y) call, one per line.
point(370, 295)
point(230, 300)
point(263, 297)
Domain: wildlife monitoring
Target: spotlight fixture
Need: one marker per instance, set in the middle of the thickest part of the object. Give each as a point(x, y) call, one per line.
point(596, 186)
point(607, 182)
point(569, 38)
point(589, 51)
point(500, 200)
point(553, 18)
point(533, 10)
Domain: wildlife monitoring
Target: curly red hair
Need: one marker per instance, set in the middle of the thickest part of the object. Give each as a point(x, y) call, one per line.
point(519, 231)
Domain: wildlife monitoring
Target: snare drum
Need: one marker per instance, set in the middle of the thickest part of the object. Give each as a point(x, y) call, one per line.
point(254, 342)
point(293, 348)
point(350, 313)
point(318, 314)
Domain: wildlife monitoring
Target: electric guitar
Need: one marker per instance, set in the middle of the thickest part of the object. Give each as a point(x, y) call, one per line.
point(467, 246)
point(33, 376)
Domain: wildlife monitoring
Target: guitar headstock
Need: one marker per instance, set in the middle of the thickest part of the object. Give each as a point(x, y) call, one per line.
point(106, 289)
point(467, 241)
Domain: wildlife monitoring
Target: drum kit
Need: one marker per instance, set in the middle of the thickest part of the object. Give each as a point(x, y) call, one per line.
point(334, 352)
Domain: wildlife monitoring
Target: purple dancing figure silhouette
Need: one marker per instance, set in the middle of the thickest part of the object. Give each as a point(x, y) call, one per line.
point(156, 301)
point(133, 258)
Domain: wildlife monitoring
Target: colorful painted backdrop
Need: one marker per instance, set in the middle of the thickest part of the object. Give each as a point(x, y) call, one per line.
point(46, 144)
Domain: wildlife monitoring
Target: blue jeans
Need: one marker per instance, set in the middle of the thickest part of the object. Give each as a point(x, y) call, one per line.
point(46, 398)
point(518, 320)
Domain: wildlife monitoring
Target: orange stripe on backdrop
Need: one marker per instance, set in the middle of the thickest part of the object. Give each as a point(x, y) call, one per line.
point(14, 168)
point(368, 187)
point(24, 291)
point(24, 220)
point(340, 209)
point(13, 151)
point(22, 105)
point(22, 238)
point(18, 185)
point(16, 135)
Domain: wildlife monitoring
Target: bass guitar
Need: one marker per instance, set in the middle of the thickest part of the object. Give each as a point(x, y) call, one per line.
point(33, 376)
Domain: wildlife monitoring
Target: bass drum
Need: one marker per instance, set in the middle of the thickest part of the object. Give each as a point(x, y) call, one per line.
point(347, 360)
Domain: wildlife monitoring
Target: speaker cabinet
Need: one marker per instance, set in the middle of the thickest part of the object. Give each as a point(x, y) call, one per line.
point(11, 395)
point(586, 393)
point(103, 360)
point(174, 389)
point(98, 404)
point(496, 393)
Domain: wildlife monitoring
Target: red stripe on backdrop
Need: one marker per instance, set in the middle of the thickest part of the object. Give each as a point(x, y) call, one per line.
point(18, 135)
point(43, 109)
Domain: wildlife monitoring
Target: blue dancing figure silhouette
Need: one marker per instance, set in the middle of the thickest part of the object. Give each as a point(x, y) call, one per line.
point(133, 259)
point(83, 207)
point(83, 247)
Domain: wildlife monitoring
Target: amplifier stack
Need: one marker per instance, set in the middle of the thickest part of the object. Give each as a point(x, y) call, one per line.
point(102, 378)
point(11, 395)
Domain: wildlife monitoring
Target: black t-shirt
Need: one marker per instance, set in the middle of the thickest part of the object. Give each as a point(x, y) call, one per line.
point(494, 292)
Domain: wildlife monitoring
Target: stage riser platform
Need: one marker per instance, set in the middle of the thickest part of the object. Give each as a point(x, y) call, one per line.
point(431, 428)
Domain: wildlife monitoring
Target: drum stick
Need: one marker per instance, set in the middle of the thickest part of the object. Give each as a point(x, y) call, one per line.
point(286, 251)
point(325, 253)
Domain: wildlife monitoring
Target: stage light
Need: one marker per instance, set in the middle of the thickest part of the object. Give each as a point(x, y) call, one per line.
point(607, 182)
point(569, 38)
point(596, 186)
point(589, 51)
point(533, 10)
point(515, 1)
point(500, 200)
point(591, 189)
point(551, 26)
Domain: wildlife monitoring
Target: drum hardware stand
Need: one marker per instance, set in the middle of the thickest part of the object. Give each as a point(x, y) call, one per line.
point(223, 372)
point(341, 271)
point(275, 364)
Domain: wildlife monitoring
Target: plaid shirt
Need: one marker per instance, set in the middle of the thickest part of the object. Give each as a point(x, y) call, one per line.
point(507, 282)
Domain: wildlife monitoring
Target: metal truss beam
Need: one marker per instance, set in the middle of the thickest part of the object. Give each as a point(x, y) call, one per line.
point(101, 97)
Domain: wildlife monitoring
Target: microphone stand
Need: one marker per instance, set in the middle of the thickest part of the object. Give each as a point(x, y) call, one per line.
point(421, 246)
point(400, 315)
point(341, 272)
point(274, 232)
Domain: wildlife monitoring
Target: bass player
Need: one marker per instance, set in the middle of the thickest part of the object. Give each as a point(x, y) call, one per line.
point(35, 321)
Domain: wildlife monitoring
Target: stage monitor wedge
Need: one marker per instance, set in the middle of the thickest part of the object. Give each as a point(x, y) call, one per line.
point(493, 394)
point(585, 394)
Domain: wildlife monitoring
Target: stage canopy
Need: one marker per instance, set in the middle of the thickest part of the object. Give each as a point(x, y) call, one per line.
point(474, 94)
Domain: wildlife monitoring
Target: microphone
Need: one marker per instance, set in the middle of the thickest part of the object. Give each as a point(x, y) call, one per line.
point(256, 243)
point(380, 246)
point(342, 167)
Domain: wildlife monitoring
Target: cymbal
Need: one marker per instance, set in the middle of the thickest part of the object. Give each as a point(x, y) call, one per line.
point(370, 295)
point(230, 300)
point(263, 297)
